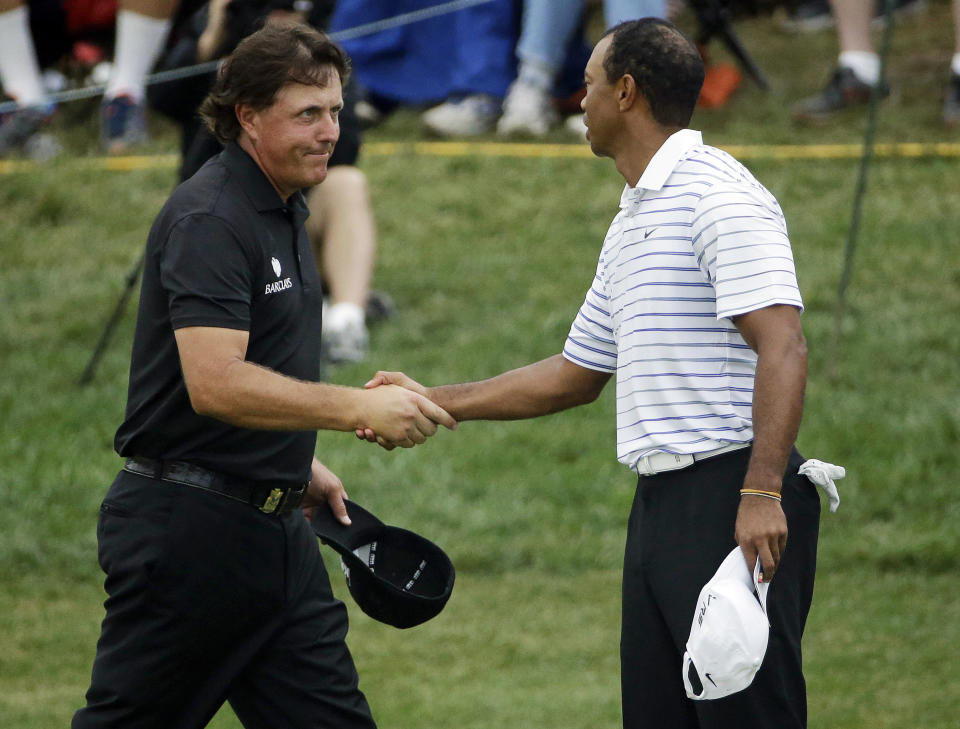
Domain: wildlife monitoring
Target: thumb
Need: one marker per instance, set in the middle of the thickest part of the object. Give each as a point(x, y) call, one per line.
point(378, 379)
point(336, 503)
point(436, 413)
point(750, 554)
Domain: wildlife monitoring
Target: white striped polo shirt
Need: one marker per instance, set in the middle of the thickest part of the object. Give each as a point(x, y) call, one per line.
point(696, 242)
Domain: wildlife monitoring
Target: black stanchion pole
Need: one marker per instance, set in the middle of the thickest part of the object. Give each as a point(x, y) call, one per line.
point(129, 285)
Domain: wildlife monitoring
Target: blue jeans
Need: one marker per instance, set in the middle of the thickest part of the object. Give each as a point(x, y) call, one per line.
point(549, 25)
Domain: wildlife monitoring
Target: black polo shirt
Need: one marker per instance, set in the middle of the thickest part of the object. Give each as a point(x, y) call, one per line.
point(225, 251)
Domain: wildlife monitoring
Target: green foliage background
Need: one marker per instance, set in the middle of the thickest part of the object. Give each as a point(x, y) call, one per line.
point(488, 260)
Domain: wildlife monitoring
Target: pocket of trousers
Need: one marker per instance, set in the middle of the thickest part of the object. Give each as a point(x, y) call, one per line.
point(129, 546)
point(222, 564)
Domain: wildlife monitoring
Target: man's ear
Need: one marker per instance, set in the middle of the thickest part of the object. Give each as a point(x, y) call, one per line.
point(248, 118)
point(627, 92)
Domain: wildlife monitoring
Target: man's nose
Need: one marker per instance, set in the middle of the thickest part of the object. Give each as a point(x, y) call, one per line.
point(329, 130)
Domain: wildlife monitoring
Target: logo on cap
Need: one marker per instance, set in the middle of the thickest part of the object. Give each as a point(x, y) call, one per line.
point(276, 266)
point(729, 631)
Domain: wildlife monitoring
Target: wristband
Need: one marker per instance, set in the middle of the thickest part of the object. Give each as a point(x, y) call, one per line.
point(756, 492)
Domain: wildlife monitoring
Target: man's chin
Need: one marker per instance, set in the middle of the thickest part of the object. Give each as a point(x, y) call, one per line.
point(317, 174)
point(593, 146)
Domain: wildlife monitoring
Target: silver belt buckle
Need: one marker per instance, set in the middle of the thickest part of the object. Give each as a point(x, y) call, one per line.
point(654, 463)
point(643, 466)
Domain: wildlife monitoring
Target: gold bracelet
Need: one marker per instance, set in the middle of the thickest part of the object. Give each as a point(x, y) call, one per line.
point(757, 492)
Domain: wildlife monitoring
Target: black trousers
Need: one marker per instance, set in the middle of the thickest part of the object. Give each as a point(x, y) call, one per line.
point(680, 529)
point(210, 600)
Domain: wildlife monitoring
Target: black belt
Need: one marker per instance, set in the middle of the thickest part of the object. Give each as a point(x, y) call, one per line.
point(271, 497)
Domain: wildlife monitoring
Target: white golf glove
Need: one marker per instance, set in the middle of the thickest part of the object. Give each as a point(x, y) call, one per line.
point(822, 474)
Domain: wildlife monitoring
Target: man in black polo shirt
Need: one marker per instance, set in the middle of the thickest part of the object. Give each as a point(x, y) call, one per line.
point(216, 588)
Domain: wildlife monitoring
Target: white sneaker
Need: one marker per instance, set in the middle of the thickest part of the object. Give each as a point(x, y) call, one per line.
point(468, 117)
point(344, 337)
point(575, 125)
point(526, 110)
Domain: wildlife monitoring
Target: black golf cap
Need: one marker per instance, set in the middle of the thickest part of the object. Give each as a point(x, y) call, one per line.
point(394, 575)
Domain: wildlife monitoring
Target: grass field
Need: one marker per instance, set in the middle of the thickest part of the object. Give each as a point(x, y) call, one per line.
point(488, 259)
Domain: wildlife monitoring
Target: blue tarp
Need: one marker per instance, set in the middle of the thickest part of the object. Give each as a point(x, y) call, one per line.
point(468, 51)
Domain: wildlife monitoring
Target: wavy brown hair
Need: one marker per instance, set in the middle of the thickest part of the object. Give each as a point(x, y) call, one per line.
point(262, 64)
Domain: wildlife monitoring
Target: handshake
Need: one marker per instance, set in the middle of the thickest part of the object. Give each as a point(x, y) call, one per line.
point(399, 412)
point(408, 413)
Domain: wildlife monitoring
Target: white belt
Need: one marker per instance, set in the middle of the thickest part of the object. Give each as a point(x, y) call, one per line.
point(660, 462)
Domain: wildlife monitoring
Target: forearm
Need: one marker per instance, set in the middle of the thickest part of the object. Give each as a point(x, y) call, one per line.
point(775, 334)
point(778, 393)
point(214, 36)
point(250, 396)
point(209, 44)
point(544, 387)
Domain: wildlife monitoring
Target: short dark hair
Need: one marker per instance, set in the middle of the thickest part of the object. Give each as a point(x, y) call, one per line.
point(263, 63)
point(664, 63)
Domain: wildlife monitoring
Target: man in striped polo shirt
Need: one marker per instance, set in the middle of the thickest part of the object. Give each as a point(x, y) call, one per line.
point(695, 308)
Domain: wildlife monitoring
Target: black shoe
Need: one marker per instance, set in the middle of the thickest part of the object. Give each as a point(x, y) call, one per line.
point(843, 91)
point(380, 306)
point(18, 127)
point(951, 107)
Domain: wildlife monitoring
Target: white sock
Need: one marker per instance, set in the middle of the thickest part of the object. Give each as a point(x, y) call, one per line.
point(140, 40)
point(955, 64)
point(343, 315)
point(19, 71)
point(864, 64)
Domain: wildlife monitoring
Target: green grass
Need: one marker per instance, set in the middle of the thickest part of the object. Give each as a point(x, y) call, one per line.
point(488, 260)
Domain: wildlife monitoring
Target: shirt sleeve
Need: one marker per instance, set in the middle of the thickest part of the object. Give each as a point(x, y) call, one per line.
point(741, 243)
point(591, 342)
point(207, 275)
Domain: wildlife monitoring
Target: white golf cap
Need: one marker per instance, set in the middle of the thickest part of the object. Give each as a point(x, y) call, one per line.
point(728, 638)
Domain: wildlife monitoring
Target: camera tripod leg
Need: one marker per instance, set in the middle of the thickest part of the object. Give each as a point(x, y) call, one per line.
point(714, 20)
point(735, 47)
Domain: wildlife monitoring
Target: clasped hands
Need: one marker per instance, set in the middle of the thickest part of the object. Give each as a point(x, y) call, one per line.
point(402, 414)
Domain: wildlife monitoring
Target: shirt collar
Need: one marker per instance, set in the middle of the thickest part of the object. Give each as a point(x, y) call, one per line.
point(256, 185)
point(662, 164)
